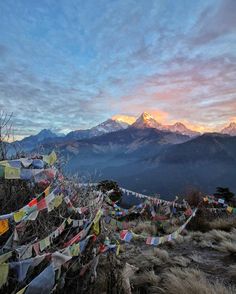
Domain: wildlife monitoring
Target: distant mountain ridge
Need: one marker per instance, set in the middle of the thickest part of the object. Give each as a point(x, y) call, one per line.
point(146, 156)
point(108, 126)
point(230, 129)
point(147, 121)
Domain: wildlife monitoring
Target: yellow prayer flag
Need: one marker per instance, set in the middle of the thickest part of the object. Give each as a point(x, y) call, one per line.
point(229, 209)
point(69, 220)
point(96, 227)
point(47, 191)
point(117, 248)
point(51, 158)
point(5, 163)
point(12, 173)
point(57, 201)
point(5, 256)
point(22, 290)
point(4, 226)
point(4, 270)
point(18, 216)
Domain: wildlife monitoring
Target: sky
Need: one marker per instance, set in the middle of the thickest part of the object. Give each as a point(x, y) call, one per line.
point(68, 65)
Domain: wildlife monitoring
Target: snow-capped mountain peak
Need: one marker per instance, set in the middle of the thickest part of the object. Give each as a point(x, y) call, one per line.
point(146, 116)
point(124, 124)
point(146, 121)
point(230, 129)
point(179, 127)
point(108, 126)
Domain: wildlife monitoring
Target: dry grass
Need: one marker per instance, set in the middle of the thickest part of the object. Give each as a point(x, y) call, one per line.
point(197, 258)
point(127, 274)
point(226, 247)
point(180, 261)
point(180, 239)
point(191, 281)
point(161, 254)
point(217, 236)
point(232, 272)
point(145, 228)
point(217, 239)
point(225, 224)
point(146, 278)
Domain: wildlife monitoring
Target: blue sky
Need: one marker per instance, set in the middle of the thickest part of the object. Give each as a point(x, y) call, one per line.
point(67, 65)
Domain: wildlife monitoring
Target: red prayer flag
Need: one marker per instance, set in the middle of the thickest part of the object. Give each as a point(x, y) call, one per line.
point(42, 204)
point(32, 202)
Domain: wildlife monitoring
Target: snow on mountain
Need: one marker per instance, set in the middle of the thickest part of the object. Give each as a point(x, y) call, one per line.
point(230, 129)
point(108, 126)
point(182, 129)
point(146, 121)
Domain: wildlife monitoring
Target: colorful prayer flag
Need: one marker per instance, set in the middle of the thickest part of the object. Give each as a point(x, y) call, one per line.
point(12, 173)
point(4, 226)
point(19, 215)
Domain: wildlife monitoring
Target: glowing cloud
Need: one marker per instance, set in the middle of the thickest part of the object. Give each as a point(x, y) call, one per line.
point(124, 118)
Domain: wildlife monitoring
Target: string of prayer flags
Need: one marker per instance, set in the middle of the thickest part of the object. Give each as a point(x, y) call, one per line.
point(126, 235)
point(213, 200)
point(4, 226)
point(152, 241)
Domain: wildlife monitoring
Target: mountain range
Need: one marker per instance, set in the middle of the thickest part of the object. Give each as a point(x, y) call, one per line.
point(146, 156)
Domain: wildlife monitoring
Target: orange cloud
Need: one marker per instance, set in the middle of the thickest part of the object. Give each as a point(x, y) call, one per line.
point(124, 118)
point(159, 115)
point(233, 119)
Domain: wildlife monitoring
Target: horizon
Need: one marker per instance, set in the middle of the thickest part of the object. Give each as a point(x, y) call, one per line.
point(129, 120)
point(68, 66)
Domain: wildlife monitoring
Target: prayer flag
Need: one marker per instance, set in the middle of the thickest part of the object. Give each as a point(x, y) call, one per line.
point(32, 202)
point(41, 204)
point(12, 173)
point(19, 215)
point(4, 226)
point(4, 270)
point(229, 209)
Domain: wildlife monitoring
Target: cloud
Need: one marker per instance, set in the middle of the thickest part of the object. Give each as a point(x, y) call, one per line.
point(74, 64)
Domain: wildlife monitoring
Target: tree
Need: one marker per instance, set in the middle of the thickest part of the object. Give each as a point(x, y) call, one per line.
point(106, 186)
point(5, 133)
point(224, 193)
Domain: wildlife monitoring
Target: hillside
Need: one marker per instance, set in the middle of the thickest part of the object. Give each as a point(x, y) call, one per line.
point(60, 230)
